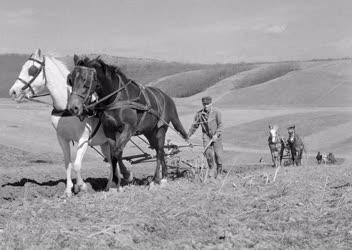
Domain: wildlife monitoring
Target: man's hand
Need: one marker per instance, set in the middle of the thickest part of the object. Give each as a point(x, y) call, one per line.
point(215, 137)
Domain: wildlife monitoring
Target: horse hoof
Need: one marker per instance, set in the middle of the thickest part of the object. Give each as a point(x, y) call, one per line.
point(107, 188)
point(119, 189)
point(66, 194)
point(80, 187)
point(152, 185)
point(163, 182)
point(130, 178)
point(83, 187)
point(76, 189)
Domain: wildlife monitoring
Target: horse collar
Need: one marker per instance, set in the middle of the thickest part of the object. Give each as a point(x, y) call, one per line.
point(62, 113)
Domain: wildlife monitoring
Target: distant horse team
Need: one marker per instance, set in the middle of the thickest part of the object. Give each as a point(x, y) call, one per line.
point(278, 145)
point(95, 93)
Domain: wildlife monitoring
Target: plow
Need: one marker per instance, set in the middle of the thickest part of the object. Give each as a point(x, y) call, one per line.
point(194, 167)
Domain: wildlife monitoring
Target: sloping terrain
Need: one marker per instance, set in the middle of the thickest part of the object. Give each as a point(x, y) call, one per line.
point(258, 74)
point(324, 85)
point(189, 83)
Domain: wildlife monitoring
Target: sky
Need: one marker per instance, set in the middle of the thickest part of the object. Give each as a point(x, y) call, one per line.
point(205, 31)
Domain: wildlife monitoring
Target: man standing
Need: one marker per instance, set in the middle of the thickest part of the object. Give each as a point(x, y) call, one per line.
point(209, 119)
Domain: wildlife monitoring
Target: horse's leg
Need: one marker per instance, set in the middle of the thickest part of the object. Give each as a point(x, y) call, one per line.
point(65, 146)
point(273, 157)
point(160, 154)
point(81, 150)
point(116, 174)
point(300, 153)
point(296, 157)
point(127, 174)
point(293, 155)
point(105, 149)
point(120, 143)
point(154, 145)
point(281, 154)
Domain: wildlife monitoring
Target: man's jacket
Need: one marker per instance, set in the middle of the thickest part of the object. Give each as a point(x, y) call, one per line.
point(211, 122)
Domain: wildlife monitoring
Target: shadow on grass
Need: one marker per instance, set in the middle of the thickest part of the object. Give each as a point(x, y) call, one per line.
point(98, 184)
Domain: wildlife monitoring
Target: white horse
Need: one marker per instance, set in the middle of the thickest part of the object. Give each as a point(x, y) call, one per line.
point(41, 72)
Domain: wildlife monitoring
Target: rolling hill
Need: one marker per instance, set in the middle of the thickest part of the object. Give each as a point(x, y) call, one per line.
point(189, 83)
point(326, 84)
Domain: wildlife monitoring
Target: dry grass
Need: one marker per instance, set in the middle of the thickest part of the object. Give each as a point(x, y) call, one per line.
point(307, 207)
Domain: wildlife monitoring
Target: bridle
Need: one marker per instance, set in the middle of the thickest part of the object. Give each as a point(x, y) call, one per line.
point(91, 79)
point(34, 76)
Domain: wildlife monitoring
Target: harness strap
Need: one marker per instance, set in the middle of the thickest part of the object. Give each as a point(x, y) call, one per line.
point(62, 113)
point(148, 106)
point(95, 130)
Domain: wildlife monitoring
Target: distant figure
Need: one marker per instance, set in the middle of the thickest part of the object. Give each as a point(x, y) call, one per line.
point(326, 158)
point(321, 158)
point(276, 145)
point(209, 119)
point(296, 145)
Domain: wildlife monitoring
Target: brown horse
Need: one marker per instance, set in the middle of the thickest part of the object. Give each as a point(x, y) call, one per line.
point(125, 109)
point(296, 146)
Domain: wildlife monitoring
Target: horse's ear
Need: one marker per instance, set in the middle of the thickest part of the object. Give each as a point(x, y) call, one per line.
point(75, 59)
point(38, 54)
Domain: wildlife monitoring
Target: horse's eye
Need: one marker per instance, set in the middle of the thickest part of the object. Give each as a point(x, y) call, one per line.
point(33, 70)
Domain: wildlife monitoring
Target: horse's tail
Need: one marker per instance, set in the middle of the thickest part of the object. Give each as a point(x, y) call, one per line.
point(178, 125)
point(173, 115)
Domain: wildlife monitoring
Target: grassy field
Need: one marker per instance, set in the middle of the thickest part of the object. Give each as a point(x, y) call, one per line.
point(307, 207)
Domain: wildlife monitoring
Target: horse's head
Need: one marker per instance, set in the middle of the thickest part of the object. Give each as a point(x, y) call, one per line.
point(84, 82)
point(32, 78)
point(291, 133)
point(273, 133)
point(93, 76)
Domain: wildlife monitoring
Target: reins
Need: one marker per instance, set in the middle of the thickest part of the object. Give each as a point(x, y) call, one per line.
point(92, 105)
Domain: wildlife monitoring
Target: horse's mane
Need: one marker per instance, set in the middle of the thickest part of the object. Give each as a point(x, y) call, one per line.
point(61, 65)
point(114, 70)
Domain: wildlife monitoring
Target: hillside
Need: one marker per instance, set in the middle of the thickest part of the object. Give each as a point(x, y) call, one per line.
point(10, 66)
point(189, 83)
point(326, 84)
point(255, 75)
